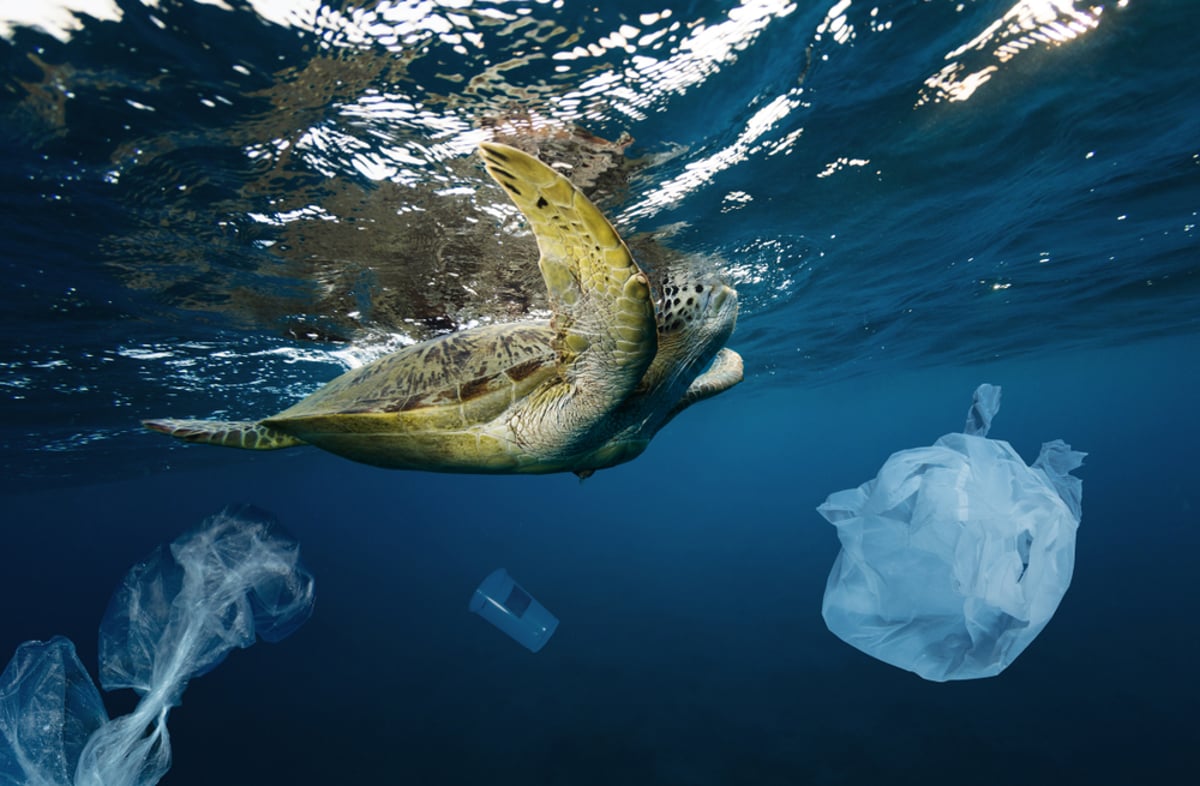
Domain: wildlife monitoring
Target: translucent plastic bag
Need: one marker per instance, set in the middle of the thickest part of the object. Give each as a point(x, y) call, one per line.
point(49, 707)
point(955, 556)
point(176, 616)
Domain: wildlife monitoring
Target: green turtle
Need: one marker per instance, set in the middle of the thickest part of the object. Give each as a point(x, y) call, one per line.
point(584, 391)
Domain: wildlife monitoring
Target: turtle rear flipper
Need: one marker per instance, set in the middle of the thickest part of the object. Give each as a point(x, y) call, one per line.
point(246, 434)
point(605, 330)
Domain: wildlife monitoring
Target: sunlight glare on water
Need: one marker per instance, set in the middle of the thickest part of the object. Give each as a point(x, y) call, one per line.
point(1027, 24)
point(59, 18)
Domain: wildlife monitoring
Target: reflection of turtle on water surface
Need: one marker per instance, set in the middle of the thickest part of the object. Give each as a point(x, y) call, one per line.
point(585, 391)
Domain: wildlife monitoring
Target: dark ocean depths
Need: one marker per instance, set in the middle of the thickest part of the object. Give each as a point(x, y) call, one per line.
point(210, 208)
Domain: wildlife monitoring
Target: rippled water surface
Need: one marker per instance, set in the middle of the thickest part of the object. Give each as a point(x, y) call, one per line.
point(210, 207)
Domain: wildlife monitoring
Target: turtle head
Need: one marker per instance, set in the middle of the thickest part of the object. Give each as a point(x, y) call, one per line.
point(695, 318)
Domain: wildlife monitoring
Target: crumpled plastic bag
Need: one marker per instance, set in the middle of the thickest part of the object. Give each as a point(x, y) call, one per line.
point(176, 616)
point(955, 556)
point(49, 707)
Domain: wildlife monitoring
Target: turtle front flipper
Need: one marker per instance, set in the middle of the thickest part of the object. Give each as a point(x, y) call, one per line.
point(725, 372)
point(246, 434)
point(605, 331)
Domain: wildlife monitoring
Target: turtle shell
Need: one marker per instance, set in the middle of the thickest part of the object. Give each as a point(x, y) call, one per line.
point(452, 382)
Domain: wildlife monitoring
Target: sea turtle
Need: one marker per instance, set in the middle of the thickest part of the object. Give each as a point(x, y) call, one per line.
point(584, 391)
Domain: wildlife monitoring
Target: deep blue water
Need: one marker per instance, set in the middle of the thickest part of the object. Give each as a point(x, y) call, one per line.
point(209, 211)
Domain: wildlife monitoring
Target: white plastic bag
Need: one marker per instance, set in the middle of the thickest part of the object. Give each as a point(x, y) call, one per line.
point(956, 555)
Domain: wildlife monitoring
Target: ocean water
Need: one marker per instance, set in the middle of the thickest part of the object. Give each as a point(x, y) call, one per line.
point(211, 208)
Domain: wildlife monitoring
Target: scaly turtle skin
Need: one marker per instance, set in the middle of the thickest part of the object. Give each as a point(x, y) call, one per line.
point(585, 391)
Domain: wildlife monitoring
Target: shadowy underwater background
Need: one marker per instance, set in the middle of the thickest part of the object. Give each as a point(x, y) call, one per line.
point(211, 208)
